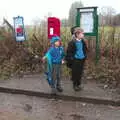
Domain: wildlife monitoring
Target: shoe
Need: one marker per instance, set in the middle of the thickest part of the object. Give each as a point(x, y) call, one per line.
point(77, 88)
point(53, 91)
point(80, 87)
point(59, 88)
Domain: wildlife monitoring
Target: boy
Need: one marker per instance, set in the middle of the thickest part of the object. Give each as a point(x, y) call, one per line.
point(55, 57)
point(76, 55)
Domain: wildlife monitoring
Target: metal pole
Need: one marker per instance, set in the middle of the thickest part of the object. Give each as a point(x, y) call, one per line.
point(97, 42)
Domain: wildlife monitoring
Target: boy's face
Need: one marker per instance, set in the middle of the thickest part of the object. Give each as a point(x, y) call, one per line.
point(57, 43)
point(80, 35)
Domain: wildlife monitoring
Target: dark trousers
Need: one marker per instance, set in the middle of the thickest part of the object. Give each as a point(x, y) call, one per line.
point(77, 71)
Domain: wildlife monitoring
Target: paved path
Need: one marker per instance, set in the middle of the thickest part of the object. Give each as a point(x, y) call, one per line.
point(37, 83)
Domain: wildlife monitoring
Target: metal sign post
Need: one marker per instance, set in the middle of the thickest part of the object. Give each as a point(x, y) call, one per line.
point(87, 19)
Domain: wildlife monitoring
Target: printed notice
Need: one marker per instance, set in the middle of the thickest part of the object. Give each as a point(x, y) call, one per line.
point(87, 22)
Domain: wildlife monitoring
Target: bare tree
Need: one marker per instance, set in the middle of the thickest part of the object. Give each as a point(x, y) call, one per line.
point(107, 14)
point(117, 20)
point(73, 12)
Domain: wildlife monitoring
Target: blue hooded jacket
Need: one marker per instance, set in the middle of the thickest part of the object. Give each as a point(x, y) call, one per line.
point(54, 56)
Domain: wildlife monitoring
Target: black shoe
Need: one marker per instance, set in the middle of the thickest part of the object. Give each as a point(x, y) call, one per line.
point(59, 88)
point(80, 87)
point(77, 88)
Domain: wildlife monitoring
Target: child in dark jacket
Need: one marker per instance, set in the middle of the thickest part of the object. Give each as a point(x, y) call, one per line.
point(55, 57)
point(76, 55)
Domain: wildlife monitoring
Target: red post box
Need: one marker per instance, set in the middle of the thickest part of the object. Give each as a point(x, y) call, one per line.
point(53, 27)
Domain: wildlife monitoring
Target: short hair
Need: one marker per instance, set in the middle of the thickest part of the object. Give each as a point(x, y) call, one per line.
point(73, 29)
point(77, 31)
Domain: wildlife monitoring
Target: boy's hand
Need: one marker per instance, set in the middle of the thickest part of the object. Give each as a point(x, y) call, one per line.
point(63, 61)
point(43, 59)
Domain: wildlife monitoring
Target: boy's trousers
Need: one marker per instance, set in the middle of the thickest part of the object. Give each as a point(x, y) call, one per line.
point(56, 74)
point(77, 71)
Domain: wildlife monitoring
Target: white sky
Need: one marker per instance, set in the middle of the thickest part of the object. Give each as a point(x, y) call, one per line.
point(33, 9)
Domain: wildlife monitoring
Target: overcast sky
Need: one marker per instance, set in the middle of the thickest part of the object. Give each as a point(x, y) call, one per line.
point(33, 9)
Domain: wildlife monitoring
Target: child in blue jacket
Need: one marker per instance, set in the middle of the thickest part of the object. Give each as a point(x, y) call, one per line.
point(54, 57)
